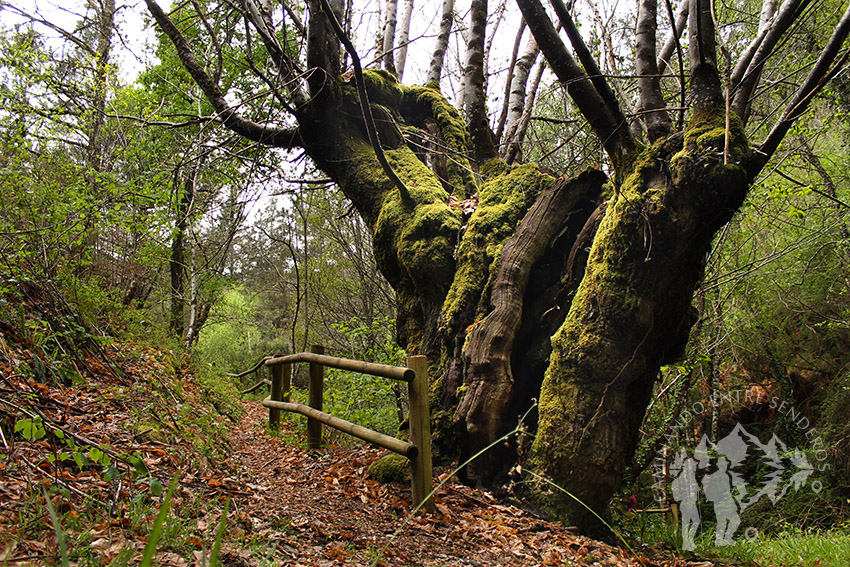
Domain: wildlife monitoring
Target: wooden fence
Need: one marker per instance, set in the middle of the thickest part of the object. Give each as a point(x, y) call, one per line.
point(417, 450)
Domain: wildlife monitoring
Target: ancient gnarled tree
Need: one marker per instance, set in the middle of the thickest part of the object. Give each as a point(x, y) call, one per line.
point(515, 284)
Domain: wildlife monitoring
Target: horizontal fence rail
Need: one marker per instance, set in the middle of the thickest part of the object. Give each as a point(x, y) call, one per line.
point(371, 368)
point(409, 450)
point(417, 450)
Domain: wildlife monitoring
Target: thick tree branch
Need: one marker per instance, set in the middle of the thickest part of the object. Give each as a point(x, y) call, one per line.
point(820, 74)
point(612, 131)
point(364, 102)
point(277, 137)
point(323, 58)
point(706, 91)
point(651, 98)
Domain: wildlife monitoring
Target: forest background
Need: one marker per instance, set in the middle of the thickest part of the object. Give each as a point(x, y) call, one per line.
point(121, 189)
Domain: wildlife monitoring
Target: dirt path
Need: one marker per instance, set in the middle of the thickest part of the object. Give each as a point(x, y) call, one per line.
point(320, 509)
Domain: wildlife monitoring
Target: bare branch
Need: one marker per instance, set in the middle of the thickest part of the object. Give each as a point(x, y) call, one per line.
point(678, 27)
point(80, 43)
point(600, 83)
point(494, 28)
point(612, 130)
point(651, 98)
point(234, 121)
point(295, 18)
point(213, 37)
point(819, 75)
point(747, 72)
point(286, 66)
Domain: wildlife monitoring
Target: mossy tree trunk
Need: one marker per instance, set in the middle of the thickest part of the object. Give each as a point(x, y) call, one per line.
point(493, 279)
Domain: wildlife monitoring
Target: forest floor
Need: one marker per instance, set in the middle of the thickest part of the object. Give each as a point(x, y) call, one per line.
point(335, 515)
point(100, 432)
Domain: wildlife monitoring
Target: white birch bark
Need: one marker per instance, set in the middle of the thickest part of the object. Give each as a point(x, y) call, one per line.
point(446, 21)
point(403, 37)
point(517, 98)
point(389, 36)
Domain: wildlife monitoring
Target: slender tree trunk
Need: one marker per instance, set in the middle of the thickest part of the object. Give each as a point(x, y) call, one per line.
point(503, 115)
point(484, 146)
point(390, 15)
point(435, 70)
point(403, 37)
point(520, 100)
point(193, 323)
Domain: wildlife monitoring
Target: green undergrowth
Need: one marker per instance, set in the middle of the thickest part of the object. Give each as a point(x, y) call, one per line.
point(113, 419)
point(784, 545)
point(790, 549)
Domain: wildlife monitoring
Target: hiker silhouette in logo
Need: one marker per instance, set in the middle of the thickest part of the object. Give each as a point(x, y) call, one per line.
point(686, 492)
point(718, 490)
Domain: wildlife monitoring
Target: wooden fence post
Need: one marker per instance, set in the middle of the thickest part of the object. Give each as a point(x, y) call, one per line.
point(317, 391)
point(277, 383)
point(420, 432)
point(287, 381)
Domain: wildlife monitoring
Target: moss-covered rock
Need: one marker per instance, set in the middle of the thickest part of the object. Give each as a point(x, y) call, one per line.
point(390, 468)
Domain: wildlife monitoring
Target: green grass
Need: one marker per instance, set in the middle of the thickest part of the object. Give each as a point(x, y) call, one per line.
point(786, 547)
point(790, 549)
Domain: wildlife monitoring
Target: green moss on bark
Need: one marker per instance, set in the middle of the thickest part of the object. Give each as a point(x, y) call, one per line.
point(646, 260)
point(427, 101)
point(503, 200)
